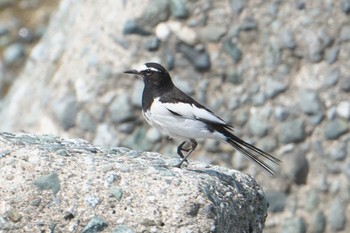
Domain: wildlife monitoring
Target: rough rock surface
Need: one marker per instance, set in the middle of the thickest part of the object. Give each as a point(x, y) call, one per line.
point(49, 184)
point(276, 70)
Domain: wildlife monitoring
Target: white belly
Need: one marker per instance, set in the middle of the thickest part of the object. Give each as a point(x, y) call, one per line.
point(178, 126)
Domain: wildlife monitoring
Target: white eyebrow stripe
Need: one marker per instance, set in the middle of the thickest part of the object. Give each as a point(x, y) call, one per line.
point(144, 67)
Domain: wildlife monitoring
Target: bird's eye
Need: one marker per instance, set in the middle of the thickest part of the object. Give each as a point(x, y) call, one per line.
point(148, 71)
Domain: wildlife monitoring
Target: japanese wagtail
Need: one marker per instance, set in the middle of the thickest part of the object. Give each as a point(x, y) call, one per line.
point(177, 115)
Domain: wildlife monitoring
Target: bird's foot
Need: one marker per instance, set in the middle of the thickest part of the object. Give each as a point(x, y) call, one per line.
point(190, 150)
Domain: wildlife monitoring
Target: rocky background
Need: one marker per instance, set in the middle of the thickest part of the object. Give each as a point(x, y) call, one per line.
point(277, 70)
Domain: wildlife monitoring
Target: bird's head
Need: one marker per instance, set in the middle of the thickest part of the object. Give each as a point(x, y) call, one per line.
point(153, 74)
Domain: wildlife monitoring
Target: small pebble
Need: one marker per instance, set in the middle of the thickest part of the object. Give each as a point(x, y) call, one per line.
point(233, 50)
point(152, 44)
point(343, 109)
point(336, 215)
point(310, 102)
point(332, 54)
point(293, 225)
point(318, 223)
point(281, 113)
point(162, 31)
point(335, 128)
point(178, 9)
point(345, 6)
point(292, 131)
point(277, 201)
point(96, 224)
point(199, 58)
point(13, 53)
point(344, 84)
point(122, 229)
point(48, 182)
point(332, 77)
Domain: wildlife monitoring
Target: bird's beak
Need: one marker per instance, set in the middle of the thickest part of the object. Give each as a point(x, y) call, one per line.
point(131, 72)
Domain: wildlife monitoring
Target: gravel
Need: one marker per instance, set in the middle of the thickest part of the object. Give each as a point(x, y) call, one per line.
point(231, 49)
point(198, 57)
point(310, 102)
point(65, 110)
point(120, 109)
point(293, 225)
point(277, 200)
point(335, 128)
point(336, 215)
point(345, 84)
point(13, 53)
point(318, 223)
point(292, 131)
point(178, 9)
point(96, 224)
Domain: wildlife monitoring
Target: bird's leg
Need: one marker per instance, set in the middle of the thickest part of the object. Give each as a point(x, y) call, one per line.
point(180, 149)
point(193, 147)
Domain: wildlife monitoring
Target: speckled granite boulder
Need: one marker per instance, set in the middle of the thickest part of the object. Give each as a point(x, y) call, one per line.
point(56, 185)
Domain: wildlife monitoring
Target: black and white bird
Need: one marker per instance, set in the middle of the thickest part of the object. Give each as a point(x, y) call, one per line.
point(177, 115)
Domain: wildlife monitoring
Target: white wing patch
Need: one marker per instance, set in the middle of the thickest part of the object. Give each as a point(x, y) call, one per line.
point(191, 111)
point(186, 125)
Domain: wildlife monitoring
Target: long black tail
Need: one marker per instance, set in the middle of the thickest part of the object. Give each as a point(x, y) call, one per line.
point(253, 153)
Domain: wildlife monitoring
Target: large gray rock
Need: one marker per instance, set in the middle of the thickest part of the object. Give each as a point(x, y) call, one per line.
point(71, 186)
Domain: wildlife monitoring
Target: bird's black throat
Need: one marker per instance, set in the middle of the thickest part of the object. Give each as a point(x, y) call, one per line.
point(155, 86)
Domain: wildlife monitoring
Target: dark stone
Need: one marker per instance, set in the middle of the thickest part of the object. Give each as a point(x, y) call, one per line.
point(277, 201)
point(131, 27)
point(335, 128)
point(152, 44)
point(338, 153)
point(300, 4)
point(281, 113)
point(198, 58)
point(178, 9)
point(232, 49)
point(122, 229)
point(346, 170)
point(120, 109)
point(237, 6)
point(259, 99)
point(298, 167)
point(258, 126)
point(96, 224)
point(310, 102)
point(169, 59)
point(345, 33)
point(287, 39)
point(48, 182)
point(13, 53)
point(318, 222)
point(234, 77)
point(272, 55)
point(293, 225)
point(336, 216)
point(274, 88)
point(248, 24)
point(154, 13)
point(332, 77)
point(312, 201)
point(292, 131)
point(65, 110)
point(344, 84)
point(345, 6)
point(332, 54)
